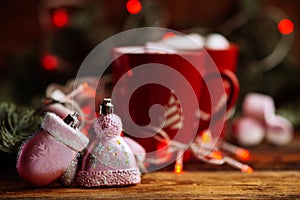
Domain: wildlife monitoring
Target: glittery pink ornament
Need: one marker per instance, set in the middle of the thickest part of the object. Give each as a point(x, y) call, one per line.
point(136, 148)
point(108, 125)
point(51, 153)
point(108, 160)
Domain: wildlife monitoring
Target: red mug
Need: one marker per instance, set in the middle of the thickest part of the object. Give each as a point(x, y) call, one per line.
point(200, 72)
point(225, 59)
point(226, 62)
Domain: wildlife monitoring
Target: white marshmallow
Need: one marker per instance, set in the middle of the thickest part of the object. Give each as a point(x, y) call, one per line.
point(192, 41)
point(279, 131)
point(248, 131)
point(157, 47)
point(216, 41)
point(259, 106)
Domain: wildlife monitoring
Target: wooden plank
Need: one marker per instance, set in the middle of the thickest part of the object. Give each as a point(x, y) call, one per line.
point(167, 185)
point(276, 176)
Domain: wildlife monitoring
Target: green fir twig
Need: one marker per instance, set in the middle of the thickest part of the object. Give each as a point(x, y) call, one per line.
point(16, 124)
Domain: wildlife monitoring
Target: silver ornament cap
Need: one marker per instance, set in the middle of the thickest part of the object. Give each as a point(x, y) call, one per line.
point(72, 120)
point(106, 107)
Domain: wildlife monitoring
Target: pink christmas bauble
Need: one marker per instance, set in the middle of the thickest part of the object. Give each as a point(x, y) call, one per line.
point(109, 125)
point(45, 157)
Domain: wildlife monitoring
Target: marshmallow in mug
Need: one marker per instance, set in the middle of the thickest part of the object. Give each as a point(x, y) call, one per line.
point(193, 41)
point(216, 41)
point(157, 47)
point(190, 42)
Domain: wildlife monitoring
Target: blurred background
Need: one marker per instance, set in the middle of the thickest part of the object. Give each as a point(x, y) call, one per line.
point(45, 41)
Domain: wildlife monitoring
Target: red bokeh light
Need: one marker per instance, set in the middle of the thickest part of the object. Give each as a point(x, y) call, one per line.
point(285, 26)
point(134, 6)
point(49, 62)
point(60, 18)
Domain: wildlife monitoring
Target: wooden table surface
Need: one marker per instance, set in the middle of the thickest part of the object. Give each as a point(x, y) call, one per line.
point(276, 176)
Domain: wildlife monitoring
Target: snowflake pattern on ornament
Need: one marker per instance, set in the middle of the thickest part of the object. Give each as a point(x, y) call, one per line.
point(44, 157)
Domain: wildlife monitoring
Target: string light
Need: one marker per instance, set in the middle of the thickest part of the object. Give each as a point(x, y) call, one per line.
point(134, 6)
point(60, 18)
point(206, 136)
point(285, 26)
point(241, 153)
point(179, 162)
point(201, 150)
point(247, 169)
point(217, 155)
point(178, 169)
point(234, 163)
point(50, 62)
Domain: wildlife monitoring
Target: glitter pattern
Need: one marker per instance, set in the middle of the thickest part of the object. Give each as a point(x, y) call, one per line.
point(69, 175)
point(65, 134)
point(111, 154)
point(109, 178)
point(108, 125)
point(108, 161)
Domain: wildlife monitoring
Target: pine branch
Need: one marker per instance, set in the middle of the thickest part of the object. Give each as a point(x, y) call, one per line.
point(16, 124)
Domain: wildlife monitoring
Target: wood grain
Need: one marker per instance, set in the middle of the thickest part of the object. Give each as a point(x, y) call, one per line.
point(167, 185)
point(276, 176)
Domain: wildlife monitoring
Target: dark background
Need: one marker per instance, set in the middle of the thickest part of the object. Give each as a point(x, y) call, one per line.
point(23, 39)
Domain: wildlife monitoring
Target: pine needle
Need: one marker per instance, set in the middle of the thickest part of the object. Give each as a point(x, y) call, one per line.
point(16, 124)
